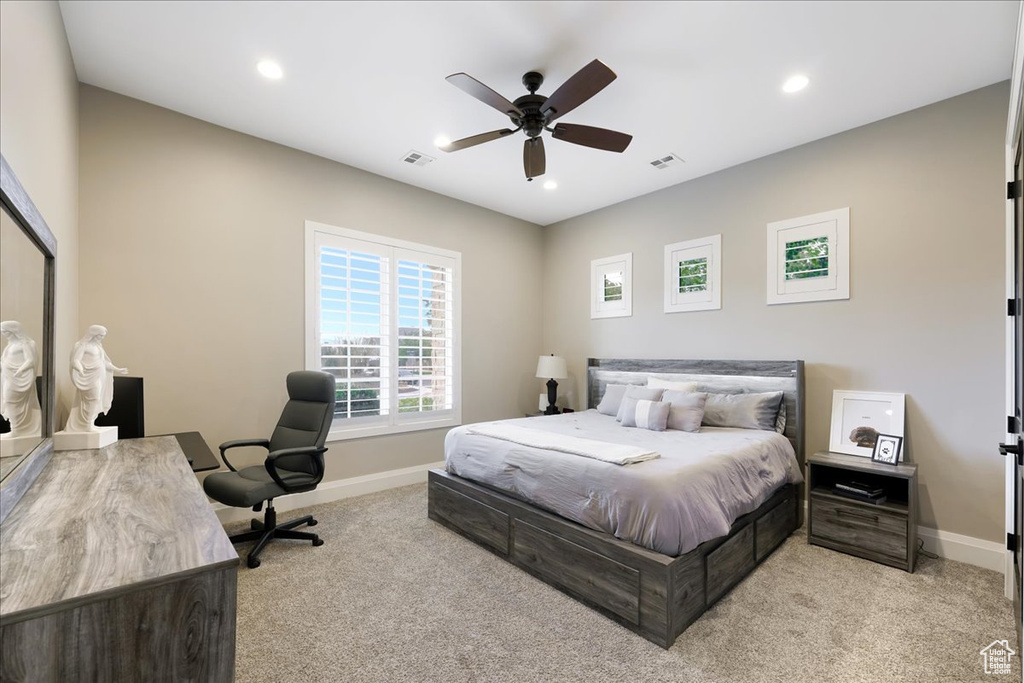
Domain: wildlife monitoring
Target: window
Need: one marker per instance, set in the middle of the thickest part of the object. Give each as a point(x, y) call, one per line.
point(809, 258)
point(382, 316)
point(611, 287)
point(693, 275)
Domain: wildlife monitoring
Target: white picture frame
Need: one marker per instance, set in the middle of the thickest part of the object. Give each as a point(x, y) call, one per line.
point(611, 287)
point(808, 258)
point(701, 289)
point(857, 416)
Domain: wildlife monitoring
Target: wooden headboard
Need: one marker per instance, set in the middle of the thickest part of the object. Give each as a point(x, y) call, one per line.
point(718, 376)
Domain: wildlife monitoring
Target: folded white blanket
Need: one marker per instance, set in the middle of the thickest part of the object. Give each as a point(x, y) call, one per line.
point(617, 454)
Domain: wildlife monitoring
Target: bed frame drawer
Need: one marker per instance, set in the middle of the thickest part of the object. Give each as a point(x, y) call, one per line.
point(730, 562)
point(593, 577)
point(774, 527)
point(871, 529)
point(480, 522)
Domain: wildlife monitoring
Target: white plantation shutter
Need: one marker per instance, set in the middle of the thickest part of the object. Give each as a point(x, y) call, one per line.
point(354, 340)
point(383, 319)
point(425, 334)
point(808, 258)
point(693, 275)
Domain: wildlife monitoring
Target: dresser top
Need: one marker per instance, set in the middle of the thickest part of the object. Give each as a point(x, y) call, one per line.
point(862, 464)
point(97, 523)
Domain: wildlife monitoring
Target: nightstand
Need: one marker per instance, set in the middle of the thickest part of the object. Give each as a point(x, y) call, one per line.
point(884, 532)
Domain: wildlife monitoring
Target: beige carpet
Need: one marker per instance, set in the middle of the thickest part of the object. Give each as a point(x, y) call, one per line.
point(392, 596)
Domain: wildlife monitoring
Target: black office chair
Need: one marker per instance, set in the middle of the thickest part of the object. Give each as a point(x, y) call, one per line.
point(295, 463)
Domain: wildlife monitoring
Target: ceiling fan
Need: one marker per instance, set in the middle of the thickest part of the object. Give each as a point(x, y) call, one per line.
point(534, 113)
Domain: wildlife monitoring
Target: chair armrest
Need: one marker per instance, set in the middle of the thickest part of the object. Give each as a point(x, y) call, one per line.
point(265, 443)
point(303, 450)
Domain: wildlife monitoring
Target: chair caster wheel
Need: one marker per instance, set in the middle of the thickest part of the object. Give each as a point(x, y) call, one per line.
point(312, 522)
point(252, 562)
point(256, 525)
point(318, 541)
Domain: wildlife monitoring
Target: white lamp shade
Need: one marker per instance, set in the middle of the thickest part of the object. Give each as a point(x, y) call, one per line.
point(552, 367)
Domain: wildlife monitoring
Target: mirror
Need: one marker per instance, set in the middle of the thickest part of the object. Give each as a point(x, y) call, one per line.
point(28, 253)
point(22, 269)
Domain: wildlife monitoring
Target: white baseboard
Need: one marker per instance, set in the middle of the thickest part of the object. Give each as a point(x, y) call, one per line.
point(336, 490)
point(980, 553)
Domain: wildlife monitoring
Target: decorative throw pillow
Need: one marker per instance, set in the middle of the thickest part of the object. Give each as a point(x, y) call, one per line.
point(687, 409)
point(640, 394)
point(667, 384)
point(612, 399)
point(652, 415)
point(746, 411)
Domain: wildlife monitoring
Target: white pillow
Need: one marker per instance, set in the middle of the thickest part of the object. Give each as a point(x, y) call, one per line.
point(639, 393)
point(659, 383)
point(652, 415)
point(687, 409)
point(611, 400)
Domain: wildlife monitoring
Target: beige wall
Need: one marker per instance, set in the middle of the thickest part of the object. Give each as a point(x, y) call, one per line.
point(39, 138)
point(192, 256)
point(926, 312)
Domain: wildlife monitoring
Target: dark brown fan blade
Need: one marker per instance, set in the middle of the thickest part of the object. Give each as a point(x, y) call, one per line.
point(471, 86)
point(581, 86)
point(533, 157)
point(477, 139)
point(588, 136)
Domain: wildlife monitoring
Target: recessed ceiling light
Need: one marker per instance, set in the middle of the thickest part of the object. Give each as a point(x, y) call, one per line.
point(795, 83)
point(550, 185)
point(270, 69)
point(442, 141)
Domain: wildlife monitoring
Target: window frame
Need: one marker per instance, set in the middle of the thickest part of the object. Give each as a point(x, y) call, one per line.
point(599, 269)
point(393, 250)
point(835, 285)
point(709, 248)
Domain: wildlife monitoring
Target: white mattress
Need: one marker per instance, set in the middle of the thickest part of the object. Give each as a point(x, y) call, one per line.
point(693, 493)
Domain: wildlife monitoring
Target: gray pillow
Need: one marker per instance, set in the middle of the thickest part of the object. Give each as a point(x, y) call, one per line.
point(780, 421)
point(612, 399)
point(640, 394)
point(652, 415)
point(687, 409)
point(746, 411)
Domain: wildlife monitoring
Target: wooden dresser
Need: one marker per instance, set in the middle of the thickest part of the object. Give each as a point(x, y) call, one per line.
point(886, 532)
point(114, 567)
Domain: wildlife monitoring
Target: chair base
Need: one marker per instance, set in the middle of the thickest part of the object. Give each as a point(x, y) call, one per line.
point(267, 530)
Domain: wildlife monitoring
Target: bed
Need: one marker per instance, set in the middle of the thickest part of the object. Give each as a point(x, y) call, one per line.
point(614, 567)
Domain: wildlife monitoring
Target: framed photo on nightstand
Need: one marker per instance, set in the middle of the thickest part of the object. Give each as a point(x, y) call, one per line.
point(858, 417)
point(887, 449)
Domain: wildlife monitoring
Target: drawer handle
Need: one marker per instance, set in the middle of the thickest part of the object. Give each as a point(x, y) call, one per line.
point(856, 513)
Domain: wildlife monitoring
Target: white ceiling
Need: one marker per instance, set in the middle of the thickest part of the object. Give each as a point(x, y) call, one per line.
point(364, 81)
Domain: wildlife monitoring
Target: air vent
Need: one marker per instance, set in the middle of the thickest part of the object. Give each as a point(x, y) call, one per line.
point(417, 158)
point(666, 162)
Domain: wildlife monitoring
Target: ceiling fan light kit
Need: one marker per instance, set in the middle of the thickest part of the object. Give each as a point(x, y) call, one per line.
point(533, 114)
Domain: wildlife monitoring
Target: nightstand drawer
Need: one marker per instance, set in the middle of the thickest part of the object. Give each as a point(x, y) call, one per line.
point(858, 526)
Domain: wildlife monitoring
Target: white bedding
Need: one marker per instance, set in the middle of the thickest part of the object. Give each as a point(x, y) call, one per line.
point(693, 493)
point(604, 451)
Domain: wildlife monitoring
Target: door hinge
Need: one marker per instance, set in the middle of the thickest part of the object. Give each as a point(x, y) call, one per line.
point(1011, 541)
point(1011, 424)
point(1013, 189)
point(1011, 307)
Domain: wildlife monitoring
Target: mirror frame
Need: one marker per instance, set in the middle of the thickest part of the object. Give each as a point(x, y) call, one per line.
point(19, 206)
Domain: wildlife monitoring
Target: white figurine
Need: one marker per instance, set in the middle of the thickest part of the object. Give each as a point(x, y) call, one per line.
point(92, 373)
point(18, 364)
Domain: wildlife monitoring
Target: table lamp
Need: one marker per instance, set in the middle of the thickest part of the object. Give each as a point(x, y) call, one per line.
point(552, 367)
